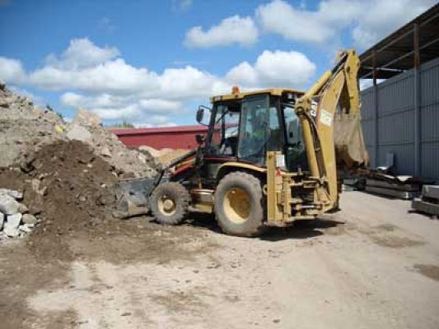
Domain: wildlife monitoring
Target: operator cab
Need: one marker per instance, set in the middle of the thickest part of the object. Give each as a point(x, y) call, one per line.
point(244, 126)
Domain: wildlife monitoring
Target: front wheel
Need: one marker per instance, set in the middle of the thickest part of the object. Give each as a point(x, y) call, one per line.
point(169, 203)
point(239, 205)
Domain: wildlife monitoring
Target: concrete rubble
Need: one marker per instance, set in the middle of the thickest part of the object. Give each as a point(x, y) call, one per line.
point(14, 219)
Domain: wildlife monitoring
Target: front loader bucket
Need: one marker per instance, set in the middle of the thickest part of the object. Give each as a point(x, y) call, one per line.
point(132, 196)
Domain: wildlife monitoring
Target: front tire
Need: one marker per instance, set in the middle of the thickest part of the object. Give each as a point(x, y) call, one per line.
point(239, 205)
point(169, 203)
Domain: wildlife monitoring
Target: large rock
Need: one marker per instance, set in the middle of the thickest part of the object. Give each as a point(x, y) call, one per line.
point(2, 220)
point(9, 206)
point(24, 228)
point(105, 151)
point(79, 133)
point(29, 219)
point(11, 225)
point(86, 118)
point(15, 194)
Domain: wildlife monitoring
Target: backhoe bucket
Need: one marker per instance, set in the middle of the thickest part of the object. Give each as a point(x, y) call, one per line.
point(132, 196)
point(348, 139)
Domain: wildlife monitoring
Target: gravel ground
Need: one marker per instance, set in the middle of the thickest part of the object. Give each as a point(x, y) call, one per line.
point(372, 265)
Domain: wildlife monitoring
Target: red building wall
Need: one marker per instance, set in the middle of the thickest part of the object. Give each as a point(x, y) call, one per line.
point(179, 137)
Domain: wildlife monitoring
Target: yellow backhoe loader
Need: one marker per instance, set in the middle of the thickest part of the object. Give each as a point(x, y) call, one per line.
point(270, 157)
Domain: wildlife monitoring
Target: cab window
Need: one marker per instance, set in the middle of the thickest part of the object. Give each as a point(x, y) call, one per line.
point(260, 129)
point(224, 138)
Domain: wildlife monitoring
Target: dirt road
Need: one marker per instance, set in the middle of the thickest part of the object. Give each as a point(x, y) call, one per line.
point(372, 265)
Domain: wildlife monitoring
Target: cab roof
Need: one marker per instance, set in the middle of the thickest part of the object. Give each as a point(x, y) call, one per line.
point(240, 95)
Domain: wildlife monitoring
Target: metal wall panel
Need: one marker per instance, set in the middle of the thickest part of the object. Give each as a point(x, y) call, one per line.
point(430, 123)
point(396, 128)
point(429, 81)
point(430, 160)
point(367, 105)
point(395, 95)
point(396, 121)
point(404, 159)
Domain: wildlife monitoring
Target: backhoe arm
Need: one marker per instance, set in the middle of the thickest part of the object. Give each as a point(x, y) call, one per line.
point(330, 116)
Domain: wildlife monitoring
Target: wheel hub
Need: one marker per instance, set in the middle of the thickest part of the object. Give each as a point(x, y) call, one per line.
point(167, 205)
point(237, 205)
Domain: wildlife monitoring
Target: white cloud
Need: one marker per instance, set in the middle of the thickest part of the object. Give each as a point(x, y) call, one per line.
point(294, 24)
point(114, 75)
point(274, 69)
point(161, 105)
point(189, 82)
point(112, 107)
point(367, 21)
point(383, 17)
point(102, 100)
point(244, 74)
point(82, 53)
point(155, 121)
point(231, 30)
point(102, 72)
point(128, 113)
point(98, 79)
point(11, 71)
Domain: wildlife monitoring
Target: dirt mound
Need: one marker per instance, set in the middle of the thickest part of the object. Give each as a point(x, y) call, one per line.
point(69, 188)
point(66, 171)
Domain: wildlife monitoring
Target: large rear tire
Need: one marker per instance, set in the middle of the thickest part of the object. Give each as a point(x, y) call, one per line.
point(239, 205)
point(169, 203)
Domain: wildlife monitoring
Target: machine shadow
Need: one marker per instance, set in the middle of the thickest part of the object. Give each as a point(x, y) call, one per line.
point(301, 229)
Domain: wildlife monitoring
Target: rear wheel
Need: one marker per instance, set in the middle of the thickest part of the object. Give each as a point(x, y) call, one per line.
point(169, 203)
point(239, 205)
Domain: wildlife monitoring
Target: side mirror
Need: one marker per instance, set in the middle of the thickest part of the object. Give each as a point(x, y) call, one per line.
point(200, 139)
point(200, 116)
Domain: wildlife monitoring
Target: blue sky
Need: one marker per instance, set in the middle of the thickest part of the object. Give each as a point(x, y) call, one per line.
point(152, 62)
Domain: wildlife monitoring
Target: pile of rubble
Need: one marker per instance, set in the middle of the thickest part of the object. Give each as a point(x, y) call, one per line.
point(15, 221)
point(86, 127)
point(24, 129)
point(65, 171)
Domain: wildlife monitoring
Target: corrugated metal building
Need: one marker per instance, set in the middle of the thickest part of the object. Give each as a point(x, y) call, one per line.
point(401, 114)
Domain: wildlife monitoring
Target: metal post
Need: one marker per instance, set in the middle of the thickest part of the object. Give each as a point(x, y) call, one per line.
point(417, 111)
point(375, 104)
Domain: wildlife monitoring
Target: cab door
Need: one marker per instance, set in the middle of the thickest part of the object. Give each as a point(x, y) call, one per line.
point(260, 129)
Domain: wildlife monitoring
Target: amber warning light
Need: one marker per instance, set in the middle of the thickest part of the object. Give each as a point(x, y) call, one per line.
point(235, 90)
